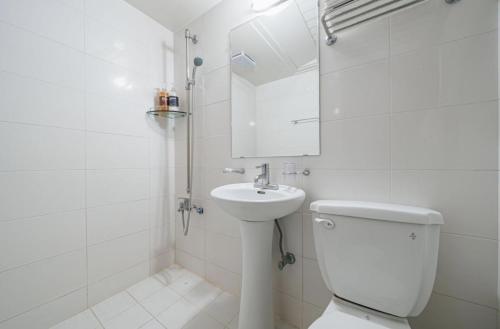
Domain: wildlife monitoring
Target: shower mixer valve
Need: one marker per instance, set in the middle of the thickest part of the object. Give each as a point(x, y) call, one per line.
point(185, 205)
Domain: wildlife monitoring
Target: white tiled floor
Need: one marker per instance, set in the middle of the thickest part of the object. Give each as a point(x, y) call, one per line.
point(174, 298)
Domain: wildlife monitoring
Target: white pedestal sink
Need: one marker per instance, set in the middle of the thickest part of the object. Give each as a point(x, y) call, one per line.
point(256, 209)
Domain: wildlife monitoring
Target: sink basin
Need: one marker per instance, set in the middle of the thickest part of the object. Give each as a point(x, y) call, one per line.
point(246, 202)
point(256, 209)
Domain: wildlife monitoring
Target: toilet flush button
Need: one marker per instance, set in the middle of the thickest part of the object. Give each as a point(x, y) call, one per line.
point(327, 223)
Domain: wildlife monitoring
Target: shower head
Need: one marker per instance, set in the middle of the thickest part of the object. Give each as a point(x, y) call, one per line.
point(198, 61)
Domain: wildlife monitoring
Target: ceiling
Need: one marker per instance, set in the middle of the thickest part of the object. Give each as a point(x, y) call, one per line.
point(174, 14)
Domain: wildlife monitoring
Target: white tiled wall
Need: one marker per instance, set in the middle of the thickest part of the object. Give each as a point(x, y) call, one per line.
point(84, 200)
point(409, 114)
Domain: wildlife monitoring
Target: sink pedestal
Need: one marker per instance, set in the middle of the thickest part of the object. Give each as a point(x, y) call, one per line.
point(256, 210)
point(256, 307)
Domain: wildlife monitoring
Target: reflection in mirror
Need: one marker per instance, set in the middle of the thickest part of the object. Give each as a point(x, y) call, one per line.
point(275, 83)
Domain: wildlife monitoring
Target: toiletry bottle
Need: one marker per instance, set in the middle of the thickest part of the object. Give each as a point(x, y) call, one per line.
point(173, 100)
point(162, 99)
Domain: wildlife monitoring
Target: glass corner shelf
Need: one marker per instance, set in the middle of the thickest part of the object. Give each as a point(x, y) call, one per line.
point(166, 114)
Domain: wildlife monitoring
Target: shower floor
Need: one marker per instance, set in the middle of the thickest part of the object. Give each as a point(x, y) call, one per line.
point(172, 299)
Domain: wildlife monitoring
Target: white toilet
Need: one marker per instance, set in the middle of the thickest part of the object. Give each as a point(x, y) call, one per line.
point(379, 261)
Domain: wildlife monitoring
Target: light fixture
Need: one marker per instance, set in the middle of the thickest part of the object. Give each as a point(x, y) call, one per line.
point(260, 6)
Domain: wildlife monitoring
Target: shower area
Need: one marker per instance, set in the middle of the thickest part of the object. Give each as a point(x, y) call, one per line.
point(186, 205)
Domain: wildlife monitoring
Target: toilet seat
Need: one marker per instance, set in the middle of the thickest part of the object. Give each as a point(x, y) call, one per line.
point(343, 315)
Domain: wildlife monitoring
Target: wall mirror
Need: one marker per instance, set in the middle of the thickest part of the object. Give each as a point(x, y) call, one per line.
point(275, 83)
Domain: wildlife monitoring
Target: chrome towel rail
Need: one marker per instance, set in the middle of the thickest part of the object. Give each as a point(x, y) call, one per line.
point(339, 15)
point(305, 120)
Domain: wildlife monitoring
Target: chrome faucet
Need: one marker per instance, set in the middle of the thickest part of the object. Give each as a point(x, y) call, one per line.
point(262, 180)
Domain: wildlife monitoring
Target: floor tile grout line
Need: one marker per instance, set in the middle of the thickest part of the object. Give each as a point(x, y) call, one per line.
point(153, 317)
point(97, 318)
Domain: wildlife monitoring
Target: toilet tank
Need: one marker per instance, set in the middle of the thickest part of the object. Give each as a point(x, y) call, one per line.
point(382, 256)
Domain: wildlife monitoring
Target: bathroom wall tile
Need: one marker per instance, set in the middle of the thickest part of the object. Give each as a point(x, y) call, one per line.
point(347, 185)
point(435, 21)
point(102, 113)
point(52, 102)
point(415, 80)
point(219, 221)
point(50, 313)
point(161, 151)
point(115, 151)
point(180, 153)
point(288, 309)
point(52, 19)
point(164, 181)
point(224, 251)
point(46, 61)
point(119, 83)
point(309, 314)
point(214, 177)
point(117, 47)
point(162, 261)
point(180, 181)
point(445, 191)
point(108, 222)
point(357, 91)
point(468, 70)
point(29, 286)
point(217, 118)
point(160, 241)
point(48, 192)
point(27, 240)
point(54, 62)
point(217, 152)
point(364, 44)
point(193, 243)
point(116, 185)
point(161, 209)
point(361, 143)
point(111, 257)
point(122, 16)
point(227, 280)
point(27, 147)
point(192, 263)
point(459, 261)
point(216, 85)
point(444, 312)
point(315, 291)
point(291, 225)
point(289, 280)
point(308, 249)
point(116, 283)
point(461, 137)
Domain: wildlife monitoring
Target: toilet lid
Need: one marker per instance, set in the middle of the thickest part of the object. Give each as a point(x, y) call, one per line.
point(341, 320)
